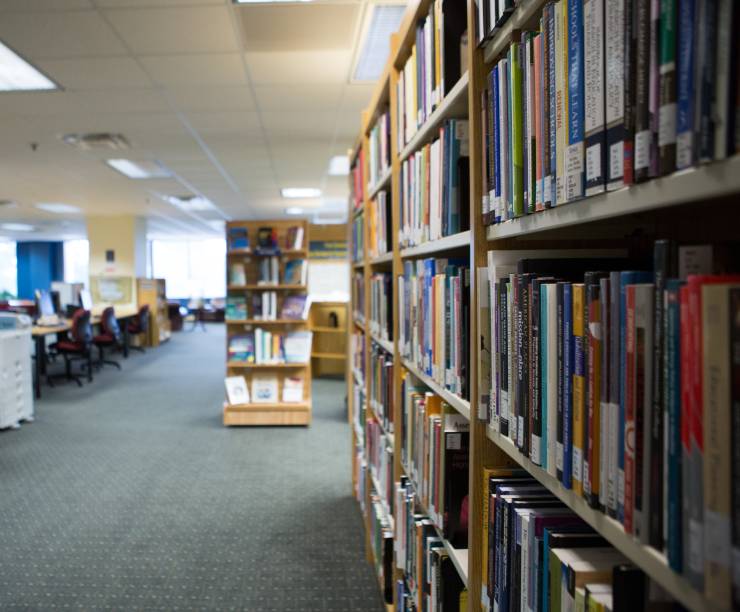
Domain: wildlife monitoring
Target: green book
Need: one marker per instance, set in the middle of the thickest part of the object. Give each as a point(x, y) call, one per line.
point(517, 130)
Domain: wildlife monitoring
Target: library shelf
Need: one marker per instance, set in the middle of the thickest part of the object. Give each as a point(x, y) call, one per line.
point(266, 322)
point(358, 265)
point(386, 433)
point(358, 377)
point(325, 355)
point(705, 182)
point(386, 345)
point(650, 560)
point(329, 330)
point(383, 182)
point(458, 403)
point(454, 105)
point(267, 414)
point(448, 243)
point(383, 501)
point(282, 253)
point(260, 287)
point(246, 366)
point(385, 258)
point(522, 16)
point(270, 406)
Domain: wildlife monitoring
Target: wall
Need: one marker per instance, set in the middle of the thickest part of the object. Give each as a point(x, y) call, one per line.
point(39, 263)
point(124, 235)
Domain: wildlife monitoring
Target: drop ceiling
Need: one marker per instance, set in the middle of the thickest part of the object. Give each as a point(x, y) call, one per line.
point(238, 101)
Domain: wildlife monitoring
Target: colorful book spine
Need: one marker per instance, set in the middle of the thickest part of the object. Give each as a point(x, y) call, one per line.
point(568, 372)
point(594, 96)
point(539, 119)
point(517, 135)
point(643, 133)
point(574, 156)
point(614, 51)
point(667, 112)
point(578, 386)
point(549, 186)
point(685, 84)
point(561, 99)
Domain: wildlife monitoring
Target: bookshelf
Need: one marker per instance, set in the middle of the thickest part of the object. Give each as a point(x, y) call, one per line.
point(694, 204)
point(152, 291)
point(328, 322)
point(256, 287)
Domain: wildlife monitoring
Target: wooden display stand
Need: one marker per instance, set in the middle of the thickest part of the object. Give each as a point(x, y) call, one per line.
point(153, 291)
point(278, 413)
point(328, 322)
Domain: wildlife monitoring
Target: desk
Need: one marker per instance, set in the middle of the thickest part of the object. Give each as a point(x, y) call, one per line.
point(39, 334)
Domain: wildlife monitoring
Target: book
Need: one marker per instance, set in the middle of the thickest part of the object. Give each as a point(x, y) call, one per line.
point(236, 308)
point(236, 390)
point(237, 237)
point(594, 87)
point(241, 348)
point(685, 74)
point(295, 306)
point(237, 273)
point(292, 389)
point(294, 238)
point(295, 272)
point(264, 389)
point(297, 347)
point(267, 241)
point(667, 125)
point(734, 316)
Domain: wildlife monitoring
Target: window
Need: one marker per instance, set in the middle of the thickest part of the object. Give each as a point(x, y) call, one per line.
point(191, 268)
point(8, 271)
point(77, 261)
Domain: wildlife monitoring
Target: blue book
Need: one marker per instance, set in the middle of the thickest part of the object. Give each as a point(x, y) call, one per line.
point(568, 363)
point(625, 278)
point(544, 331)
point(685, 84)
point(550, 199)
point(429, 272)
point(510, 128)
point(496, 147)
point(574, 160)
point(672, 419)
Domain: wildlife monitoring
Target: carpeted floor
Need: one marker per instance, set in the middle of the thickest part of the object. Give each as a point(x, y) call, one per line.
point(129, 494)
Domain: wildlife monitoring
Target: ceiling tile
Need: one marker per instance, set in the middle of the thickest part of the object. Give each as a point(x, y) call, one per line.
point(44, 5)
point(151, 3)
point(190, 70)
point(95, 73)
point(304, 67)
point(54, 34)
point(298, 97)
point(160, 31)
point(234, 122)
point(309, 26)
point(211, 98)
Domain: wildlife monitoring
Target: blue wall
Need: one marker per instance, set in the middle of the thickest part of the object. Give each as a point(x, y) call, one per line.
point(39, 263)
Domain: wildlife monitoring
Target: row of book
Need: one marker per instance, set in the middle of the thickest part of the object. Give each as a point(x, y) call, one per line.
point(268, 241)
point(265, 389)
point(434, 313)
point(380, 385)
point(379, 141)
point(604, 94)
point(357, 182)
point(265, 307)
point(539, 555)
point(435, 439)
point(295, 272)
point(381, 305)
point(435, 187)
point(437, 61)
point(379, 458)
point(430, 581)
point(265, 347)
point(380, 240)
point(357, 351)
point(358, 239)
point(617, 382)
point(358, 296)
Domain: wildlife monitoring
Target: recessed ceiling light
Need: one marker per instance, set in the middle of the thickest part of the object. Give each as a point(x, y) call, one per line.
point(339, 165)
point(293, 210)
point(57, 207)
point(97, 140)
point(16, 74)
point(147, 169)
point(8, 204)
point(375, 47)
point(17, 227)
point(190, 202)
point(300, 192)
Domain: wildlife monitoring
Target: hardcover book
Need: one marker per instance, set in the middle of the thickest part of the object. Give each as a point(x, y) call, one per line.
point(264, 389)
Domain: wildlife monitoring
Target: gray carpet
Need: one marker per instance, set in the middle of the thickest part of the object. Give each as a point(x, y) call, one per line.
point(130, 495)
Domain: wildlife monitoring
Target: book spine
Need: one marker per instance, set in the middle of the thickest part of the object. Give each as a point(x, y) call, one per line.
point(723, 98)
point(614, 42)
point(535, 410)
point(551, 101)
point(685, 84)
point(517, 137)
point(523, 356)
point(629, 416)
point(578, 392)
point(630, 78)
point(504, 353)
point(734, 317)
point(705, 67)
point(532, 114)
point(614, 395)
point(667, 112)
point(526, 110)
point(644, 312)
point(574, 153)
point(540, 146)
point(498, 137)
point(559, 452)
point(551, 376)
point(561, 98)
point(594, 96)
point(515, 405)
point(654, 91)
point(593, 463)
point(568, 372)
point(643, 133)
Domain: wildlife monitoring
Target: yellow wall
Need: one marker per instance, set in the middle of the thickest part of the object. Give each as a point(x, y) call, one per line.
point(126, 236)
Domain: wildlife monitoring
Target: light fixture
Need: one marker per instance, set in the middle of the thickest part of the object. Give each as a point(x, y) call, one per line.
point(339, 165)
point(375, 46)
point(16, 74)
point(17, 227)
point(300, 192)
point(293, 210)
point(8, 204)
point(97, 140)
point(57, 207)
point(147, 169)
point(217, 224)
point(190, 203)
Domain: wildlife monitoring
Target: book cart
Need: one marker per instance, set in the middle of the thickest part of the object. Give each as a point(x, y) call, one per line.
point(696, 204)
point(275, 413)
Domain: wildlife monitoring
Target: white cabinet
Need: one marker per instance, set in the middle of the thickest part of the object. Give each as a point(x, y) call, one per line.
point(16, 378)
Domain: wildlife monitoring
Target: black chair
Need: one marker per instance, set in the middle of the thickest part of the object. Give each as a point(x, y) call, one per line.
point(78, 346)
point(110, 336)
point(139, 325)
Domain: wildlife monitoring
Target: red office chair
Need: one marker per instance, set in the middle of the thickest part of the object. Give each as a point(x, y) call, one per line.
point(77, 347)
point(109, 337)
point(139, 326)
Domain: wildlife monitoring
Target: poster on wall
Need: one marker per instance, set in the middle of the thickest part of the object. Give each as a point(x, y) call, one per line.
point(327, 249)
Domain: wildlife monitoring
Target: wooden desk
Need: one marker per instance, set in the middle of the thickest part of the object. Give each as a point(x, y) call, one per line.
point(39, 333)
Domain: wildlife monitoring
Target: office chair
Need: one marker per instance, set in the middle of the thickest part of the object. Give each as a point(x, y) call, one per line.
point(140, 325)
point(77, 347)
point(109, 336)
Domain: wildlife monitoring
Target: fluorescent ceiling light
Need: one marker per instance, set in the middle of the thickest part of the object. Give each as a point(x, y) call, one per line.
point(17, 227)
point(300, 192)
point(339, 165)
point(376, 42)
point(190, 203)
point(57, 207)
point(293, 210)
point(139, 169)
point(16, 74)
point(217, 224)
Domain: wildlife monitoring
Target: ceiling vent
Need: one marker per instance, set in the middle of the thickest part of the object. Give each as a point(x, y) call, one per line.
point(8, 204)
point(96, 141)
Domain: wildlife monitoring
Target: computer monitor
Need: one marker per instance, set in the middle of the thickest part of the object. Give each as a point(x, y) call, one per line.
point(86, 299)
point(56, 301)
point(44, 304)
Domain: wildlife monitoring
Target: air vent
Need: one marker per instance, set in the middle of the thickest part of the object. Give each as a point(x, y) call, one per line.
point(8, 204)
point(190, 203)
point(96, 141)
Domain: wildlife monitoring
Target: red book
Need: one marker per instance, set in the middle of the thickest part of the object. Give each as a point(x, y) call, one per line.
point(629, 416)
point(592, 484)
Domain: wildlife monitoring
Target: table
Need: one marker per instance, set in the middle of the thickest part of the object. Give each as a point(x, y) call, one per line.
point(40, 333)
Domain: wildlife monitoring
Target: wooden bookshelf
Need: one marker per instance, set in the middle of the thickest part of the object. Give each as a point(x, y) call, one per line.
point(328, 322)
point(657, 208)
point(153, 291)
point(277, 412)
